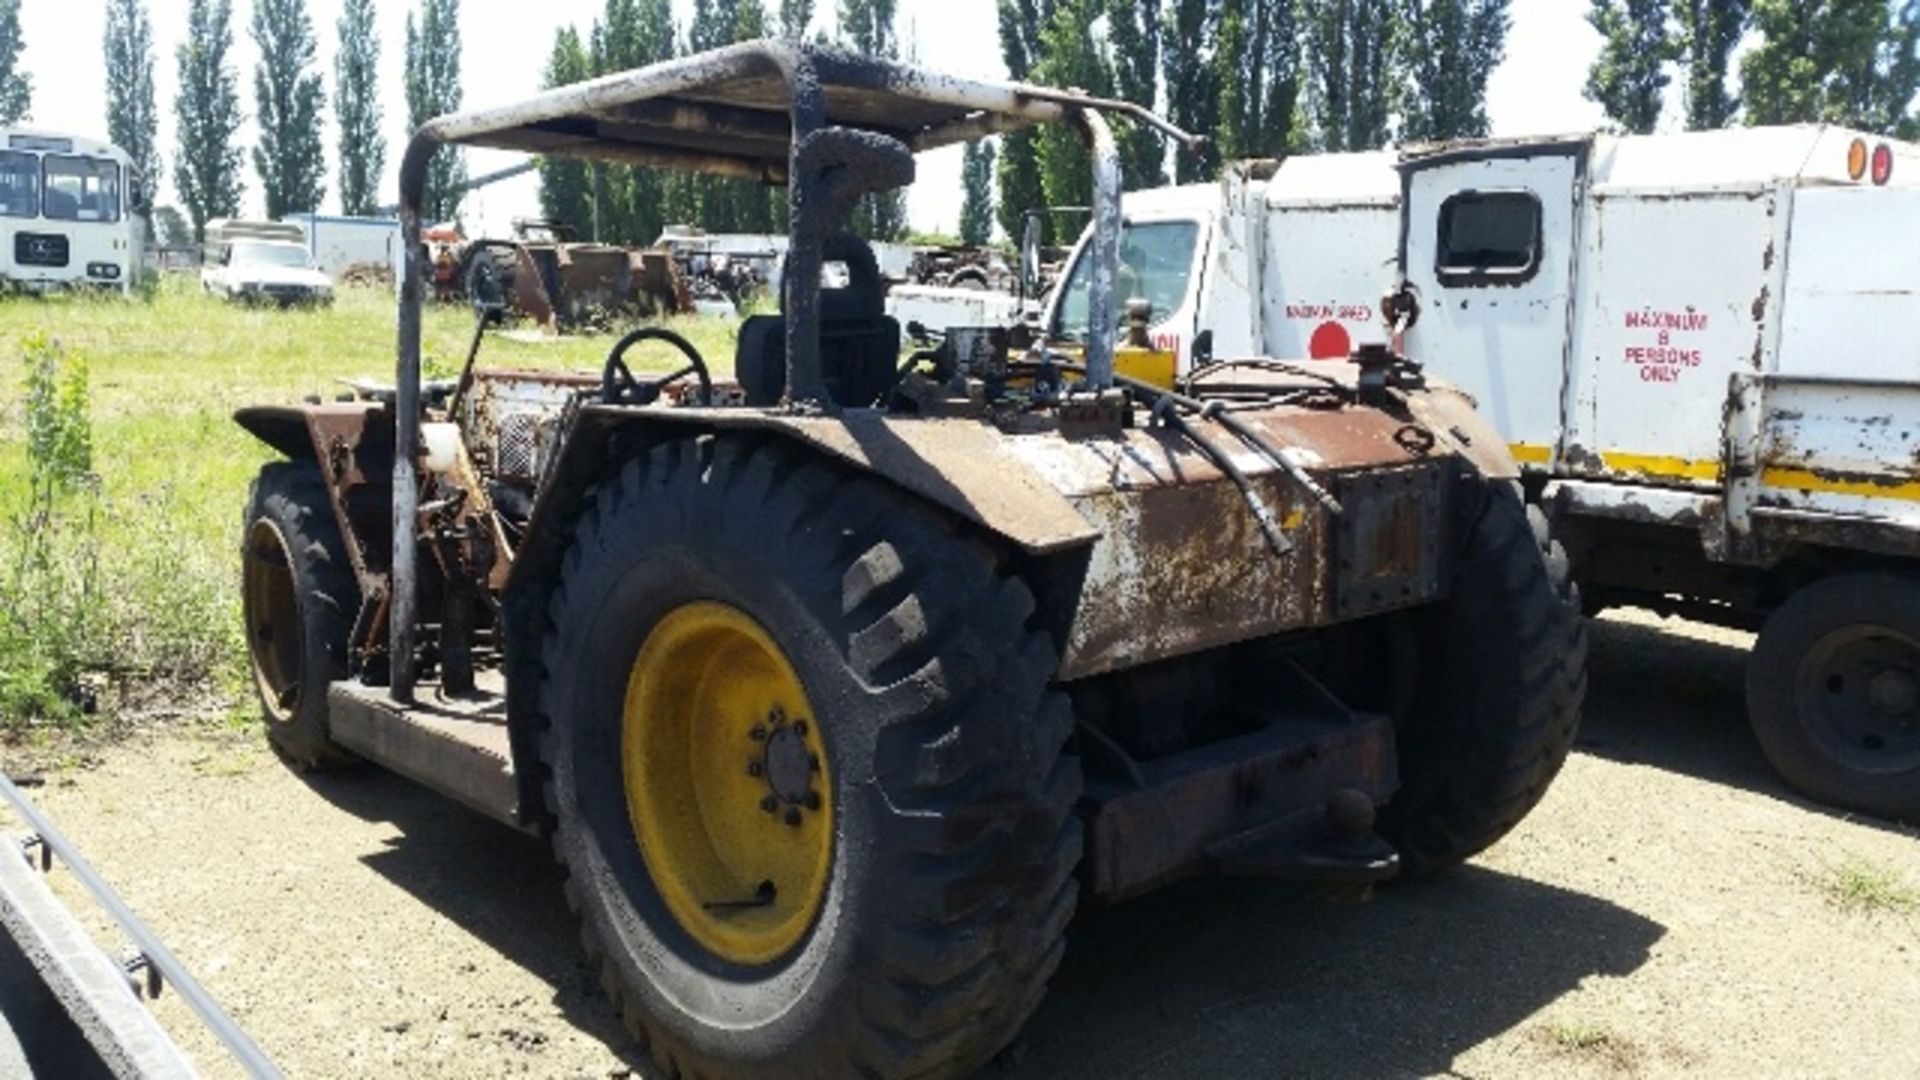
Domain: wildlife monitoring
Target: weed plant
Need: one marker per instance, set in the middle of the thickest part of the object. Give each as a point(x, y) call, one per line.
point(123, 475)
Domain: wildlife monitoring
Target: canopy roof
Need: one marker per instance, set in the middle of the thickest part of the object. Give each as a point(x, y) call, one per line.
point(733, 111)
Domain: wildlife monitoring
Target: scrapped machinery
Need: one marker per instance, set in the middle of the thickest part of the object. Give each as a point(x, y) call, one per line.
point(839, 683)
point(546, 275)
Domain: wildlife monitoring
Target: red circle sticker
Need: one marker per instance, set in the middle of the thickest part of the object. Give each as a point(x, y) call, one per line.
point(1330, 341)
point(1882, 163)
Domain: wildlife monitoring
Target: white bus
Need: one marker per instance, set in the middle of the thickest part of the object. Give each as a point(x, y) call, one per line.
point(68, 212)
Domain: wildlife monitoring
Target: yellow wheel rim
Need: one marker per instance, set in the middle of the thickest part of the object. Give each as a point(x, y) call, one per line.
point(272, 611)
point(727, 783)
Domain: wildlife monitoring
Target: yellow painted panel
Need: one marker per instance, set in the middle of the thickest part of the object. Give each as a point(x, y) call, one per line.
point(1807, 480)
point(1662, 465)
point(1147, 365)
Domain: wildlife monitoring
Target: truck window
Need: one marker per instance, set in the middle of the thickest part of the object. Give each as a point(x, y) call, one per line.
point(83, 189)
point(19, 184)
point(1156, 259)
point(1488, 238)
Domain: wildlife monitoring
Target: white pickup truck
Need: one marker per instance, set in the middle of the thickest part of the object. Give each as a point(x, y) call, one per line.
point(1700, 347)
point(267, 271)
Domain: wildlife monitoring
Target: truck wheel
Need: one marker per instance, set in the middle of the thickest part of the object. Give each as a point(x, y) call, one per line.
point(1833, 692)
point(806, 770)
point(1503, 670)
point(298, 597)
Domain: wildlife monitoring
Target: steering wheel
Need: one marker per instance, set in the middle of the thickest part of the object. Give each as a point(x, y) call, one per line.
point(618, 386)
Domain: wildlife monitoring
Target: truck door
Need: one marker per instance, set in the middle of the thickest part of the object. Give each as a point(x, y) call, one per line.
point(1488, 243)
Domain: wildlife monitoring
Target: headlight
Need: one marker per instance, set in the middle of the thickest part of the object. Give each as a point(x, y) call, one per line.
point(106, 270)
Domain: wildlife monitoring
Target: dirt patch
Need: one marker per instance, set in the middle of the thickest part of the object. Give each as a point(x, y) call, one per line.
point(1668, 910)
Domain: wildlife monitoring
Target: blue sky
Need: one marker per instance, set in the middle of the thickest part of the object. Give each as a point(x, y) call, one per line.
point(1536, 90)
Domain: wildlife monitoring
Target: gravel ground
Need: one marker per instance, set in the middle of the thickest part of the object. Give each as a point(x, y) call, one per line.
point(1669, 909)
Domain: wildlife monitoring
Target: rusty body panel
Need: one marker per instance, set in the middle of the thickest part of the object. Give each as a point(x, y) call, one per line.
point(1181, 565)
point(1211, 808)
point(1174, 560)
point(353, 444)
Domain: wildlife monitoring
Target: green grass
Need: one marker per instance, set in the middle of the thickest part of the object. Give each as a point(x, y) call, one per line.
point(172, 468)
point(1860, 885)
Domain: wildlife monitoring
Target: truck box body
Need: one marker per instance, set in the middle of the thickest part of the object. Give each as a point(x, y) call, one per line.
point(1717, 314)
point(340, 244)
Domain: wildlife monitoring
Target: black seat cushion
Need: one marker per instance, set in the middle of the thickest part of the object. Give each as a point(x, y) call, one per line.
point(859, 344)
point(859, 360)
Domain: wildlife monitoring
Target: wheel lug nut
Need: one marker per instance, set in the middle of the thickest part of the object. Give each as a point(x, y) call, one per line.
point(769, 803)
point(813, 800)
point(754, 768)
point(758, 734)
point(793, 815)
point(776, 716)
point(799, 727)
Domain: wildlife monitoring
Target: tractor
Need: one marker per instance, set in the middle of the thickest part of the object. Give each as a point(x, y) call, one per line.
point(837, 682)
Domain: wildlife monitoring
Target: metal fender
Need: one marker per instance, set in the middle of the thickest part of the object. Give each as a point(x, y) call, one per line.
point(1457, 423)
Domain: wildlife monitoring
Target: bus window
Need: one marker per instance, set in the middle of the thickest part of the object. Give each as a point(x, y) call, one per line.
point(83, 189)
point(1156, 259)
point(19, 184)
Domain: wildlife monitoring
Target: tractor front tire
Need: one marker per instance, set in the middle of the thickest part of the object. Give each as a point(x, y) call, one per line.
point(298, 599)
point(806, 768)
point(1502, 673)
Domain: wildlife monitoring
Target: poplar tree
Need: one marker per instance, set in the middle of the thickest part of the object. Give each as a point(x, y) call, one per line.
point(133, 122)
point(1019, 165)
point(433, 88)
point(1706, 34)
point(206, 165)
point(289, 99)
point(1450, 48)
point(1068, 58)
point(356, 92)
point(1850, 62)
point(1351, 83)
point(794, 17)
point(565, 193)
point(1628, 79)
point(1192, 31)
point(1258, 59)
point(976, 180)
point(16, 87)
point(867, 25)
point(1133, 41)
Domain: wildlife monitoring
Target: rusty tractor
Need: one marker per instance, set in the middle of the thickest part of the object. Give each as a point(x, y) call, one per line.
point(838, 682)
point(547, 276)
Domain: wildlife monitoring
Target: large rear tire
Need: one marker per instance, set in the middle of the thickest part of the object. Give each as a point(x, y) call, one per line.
point(1833, 692)
point(727, 614)
point(1502, 673)
point(298, 598)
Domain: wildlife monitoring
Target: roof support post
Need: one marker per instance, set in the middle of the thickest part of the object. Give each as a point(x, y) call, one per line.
point(829, 169)
point(404, 584)
point(1103, 312)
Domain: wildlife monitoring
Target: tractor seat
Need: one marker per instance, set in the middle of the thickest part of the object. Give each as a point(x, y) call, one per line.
point(859, 343)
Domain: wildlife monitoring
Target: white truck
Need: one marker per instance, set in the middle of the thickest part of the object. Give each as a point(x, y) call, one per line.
point(1698, 345)
point(266, 272)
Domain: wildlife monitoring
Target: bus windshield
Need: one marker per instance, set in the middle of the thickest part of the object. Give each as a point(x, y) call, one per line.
point(1156, 259)
point(82, 189)
point(19, 184)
